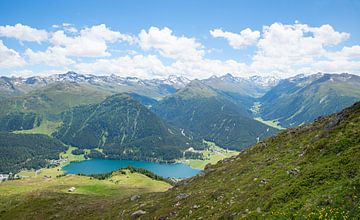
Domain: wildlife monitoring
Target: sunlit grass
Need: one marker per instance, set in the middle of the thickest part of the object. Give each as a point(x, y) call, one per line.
point(46, 127)
point(211, 155)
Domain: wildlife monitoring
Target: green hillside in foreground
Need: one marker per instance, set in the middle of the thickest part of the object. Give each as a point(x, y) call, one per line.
point(312, 171)
point(48, 198)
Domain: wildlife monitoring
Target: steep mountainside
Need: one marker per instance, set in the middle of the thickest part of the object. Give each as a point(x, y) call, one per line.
point(123, 128)
point(308, 172)
point(30, 110)
point(53, 99)
point(145, 100)
point(302, 99)
point(19, 121)
point(209, 115)
point(30, 151)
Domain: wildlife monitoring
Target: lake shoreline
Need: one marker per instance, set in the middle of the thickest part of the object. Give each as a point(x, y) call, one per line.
point(101, 166)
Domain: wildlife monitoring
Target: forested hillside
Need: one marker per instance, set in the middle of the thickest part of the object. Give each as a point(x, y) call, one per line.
point(124, 129)
point(212, 116)
point(27, 151)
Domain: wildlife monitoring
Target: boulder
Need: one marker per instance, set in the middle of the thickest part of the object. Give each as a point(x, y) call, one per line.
point(71, 189)
point(135, 198)
point(293, 172)
point(182, 196)
point(138, 213)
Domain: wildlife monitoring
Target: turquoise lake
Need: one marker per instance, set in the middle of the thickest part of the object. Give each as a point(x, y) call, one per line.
point(96, 166)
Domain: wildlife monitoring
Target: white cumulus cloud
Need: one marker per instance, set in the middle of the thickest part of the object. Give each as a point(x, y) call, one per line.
point(291, 48)
point(91, 42)
point(245, 38)
point(53, 56)
point(169, 45)
point(66, 27)
point(9, 57)
point(23, 33)
point(281, 49)
point(139, 65)
point(346, 53)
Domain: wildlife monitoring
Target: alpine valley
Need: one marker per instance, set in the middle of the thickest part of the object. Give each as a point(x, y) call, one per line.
point(179, 110)
point(267, 147)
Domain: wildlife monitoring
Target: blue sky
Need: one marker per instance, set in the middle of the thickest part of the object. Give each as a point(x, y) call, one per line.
point(329, 39)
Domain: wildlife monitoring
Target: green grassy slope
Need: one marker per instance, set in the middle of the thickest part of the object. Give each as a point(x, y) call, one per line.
point(48, 198)
point(312, 171)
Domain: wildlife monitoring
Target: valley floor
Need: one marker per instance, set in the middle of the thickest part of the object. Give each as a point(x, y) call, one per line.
point(65, 158)
point(211, 155)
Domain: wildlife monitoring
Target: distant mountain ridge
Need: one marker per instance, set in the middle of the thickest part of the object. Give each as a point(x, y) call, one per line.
point(219, 108)
point(253, 86)
point(301, 99)
point(19, 85)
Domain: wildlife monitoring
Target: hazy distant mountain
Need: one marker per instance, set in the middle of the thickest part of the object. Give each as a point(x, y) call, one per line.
point(156, 88)
point(209, 115)
point(238, 85)
point(264, 81)
point(123, 128)
point(242, 91)
point(301, 99)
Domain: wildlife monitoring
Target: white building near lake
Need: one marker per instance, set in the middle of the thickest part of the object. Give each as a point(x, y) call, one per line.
point(4, 177)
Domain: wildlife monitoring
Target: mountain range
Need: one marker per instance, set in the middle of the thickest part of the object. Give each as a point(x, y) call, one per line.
point(118, 114)
point(14, 86)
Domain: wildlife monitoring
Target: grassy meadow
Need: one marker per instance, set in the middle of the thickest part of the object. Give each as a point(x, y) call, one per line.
point(212, 154)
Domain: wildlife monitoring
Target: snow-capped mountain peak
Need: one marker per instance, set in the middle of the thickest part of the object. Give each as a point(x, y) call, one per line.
point(264, 81)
